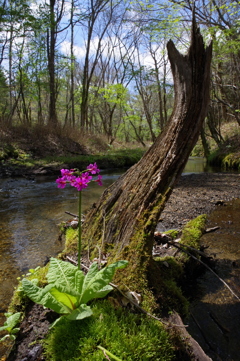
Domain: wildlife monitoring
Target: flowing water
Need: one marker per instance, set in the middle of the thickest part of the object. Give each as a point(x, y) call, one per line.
point(30, 212)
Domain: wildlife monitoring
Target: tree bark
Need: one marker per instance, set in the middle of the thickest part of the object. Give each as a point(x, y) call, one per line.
point(124, 219)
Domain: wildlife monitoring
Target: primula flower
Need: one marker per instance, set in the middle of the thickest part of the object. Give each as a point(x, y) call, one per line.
point(61, 182)
point(99, 180)
point(67, 172)
point(71, 179)
point(87, 177)
point(80, 183)
point(92, 168)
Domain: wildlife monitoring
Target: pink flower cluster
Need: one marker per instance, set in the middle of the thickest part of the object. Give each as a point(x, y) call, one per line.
point(78, 179)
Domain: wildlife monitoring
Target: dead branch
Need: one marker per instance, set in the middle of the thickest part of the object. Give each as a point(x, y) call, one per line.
point(180, 247)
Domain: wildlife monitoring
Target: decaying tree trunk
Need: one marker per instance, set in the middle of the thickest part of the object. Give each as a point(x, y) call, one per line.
point(124, 219)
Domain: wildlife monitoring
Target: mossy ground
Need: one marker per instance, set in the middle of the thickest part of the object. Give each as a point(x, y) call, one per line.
point(193, 231)
point(125, 334)
point(19, 301)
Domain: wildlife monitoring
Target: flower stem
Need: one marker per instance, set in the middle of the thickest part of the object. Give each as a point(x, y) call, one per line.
point(79, 229)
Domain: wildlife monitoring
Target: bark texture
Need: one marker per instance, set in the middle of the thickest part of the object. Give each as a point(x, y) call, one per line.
point(124, 219)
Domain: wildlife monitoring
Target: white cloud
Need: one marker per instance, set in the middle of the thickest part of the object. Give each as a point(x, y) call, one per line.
point(78, 51)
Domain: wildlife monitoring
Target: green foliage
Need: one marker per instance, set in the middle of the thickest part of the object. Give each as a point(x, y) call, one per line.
point(127, 336)
point(111, 159)
point(224, 159)
point(10, 325)
point(114, 94)
point(68, 290)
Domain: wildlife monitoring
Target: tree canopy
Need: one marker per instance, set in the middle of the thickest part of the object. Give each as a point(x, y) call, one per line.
point(62, 59)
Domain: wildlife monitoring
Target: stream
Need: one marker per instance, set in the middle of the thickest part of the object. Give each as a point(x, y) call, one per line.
point(31, 210)
point(215, 311)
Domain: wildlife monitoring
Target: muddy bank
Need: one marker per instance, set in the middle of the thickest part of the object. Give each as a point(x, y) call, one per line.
point(194, 194)
point(197, 194)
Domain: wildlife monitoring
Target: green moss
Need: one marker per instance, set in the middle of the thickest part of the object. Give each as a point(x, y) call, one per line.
point(71, 239)
point(131, 337)
point(171, 270)
point(170, 267)
point(174, 297)
point(19, 300)
point(169, 274)
point(193, 231)
point(138, 252)
point(173, 233)
point(231, 161)
point(227, 155)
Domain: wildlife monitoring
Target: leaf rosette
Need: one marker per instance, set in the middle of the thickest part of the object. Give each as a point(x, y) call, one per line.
point(69, 290)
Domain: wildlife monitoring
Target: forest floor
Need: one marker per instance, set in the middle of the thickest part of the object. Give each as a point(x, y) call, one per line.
point(26, 151)
point(194, 194)
point(29, 152)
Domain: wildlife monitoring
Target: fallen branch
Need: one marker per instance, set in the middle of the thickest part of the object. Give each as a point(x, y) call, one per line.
point(180, 247)
point(189, 247)
point(71, 214)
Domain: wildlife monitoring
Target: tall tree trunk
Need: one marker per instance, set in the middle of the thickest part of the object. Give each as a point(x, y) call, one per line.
point(72, 97)
point(125, 218)
point(51, 39)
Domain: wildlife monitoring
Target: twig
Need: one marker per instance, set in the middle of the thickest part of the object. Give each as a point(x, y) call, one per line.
point(144, 311)
point(71, 214)
point(189, 247)
point(204, 264)
point(208, 230)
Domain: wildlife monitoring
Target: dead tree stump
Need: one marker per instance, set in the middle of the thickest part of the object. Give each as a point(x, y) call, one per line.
point(123, 221)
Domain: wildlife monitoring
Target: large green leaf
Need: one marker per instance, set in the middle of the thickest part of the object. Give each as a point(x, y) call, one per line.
point(66, 299)
point(65, 274)
point(103, 292)
point(11, 322)
point(79, 279)
point(43, 297)
point(93, 270)
point(80, 313)
point(100, 280)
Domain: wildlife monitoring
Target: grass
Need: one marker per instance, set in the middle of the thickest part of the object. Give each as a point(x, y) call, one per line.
point(26, 148)
point(128, 336)
point(111, 159)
